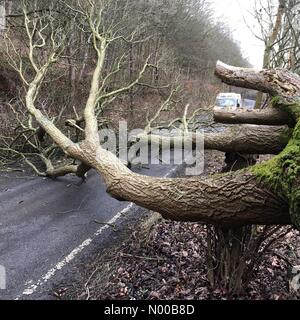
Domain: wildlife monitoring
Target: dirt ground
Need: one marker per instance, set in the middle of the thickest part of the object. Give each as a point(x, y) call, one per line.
point(167, 260)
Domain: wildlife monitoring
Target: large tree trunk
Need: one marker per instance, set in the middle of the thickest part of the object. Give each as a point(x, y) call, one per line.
point(269, 116)
point(270, 42)
point(231, 199)
point(249, 139)
point(281, 84)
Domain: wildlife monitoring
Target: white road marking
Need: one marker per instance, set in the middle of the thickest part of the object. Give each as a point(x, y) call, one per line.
point(32, 288)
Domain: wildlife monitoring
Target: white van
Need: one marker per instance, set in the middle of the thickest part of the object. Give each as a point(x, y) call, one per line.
point(228, 101)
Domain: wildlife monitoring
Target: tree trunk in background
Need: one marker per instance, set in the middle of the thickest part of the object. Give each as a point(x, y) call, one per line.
point(72, 78)
point(227, 246)
point(3, 13)
point(131, 72)
point(269, 45)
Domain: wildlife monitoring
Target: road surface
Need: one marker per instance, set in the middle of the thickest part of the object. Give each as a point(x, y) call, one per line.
point(45, 226)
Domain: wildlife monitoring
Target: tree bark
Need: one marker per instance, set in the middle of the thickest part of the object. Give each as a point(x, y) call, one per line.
point(270, 116)
point(233, 199)
point(250, 139)
point(279, 83)
point(79, 170)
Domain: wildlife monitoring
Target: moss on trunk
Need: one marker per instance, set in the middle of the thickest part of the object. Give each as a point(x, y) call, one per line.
point(282, 175)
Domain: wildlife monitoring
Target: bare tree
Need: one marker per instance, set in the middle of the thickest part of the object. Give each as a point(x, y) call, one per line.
point(278, 30)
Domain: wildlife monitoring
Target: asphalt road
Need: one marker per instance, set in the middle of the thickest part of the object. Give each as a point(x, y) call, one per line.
point(46, 225)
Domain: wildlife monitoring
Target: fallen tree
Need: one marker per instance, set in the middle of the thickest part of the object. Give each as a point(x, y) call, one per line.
point(265, 194)
point(281, 173)
point(239, 138)
point(269, 116)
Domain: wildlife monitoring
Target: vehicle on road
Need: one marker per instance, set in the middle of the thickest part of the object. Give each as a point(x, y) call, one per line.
point(249, 104)
point(228, 101)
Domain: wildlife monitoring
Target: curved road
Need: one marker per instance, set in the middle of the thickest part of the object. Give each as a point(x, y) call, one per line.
point(46, 225)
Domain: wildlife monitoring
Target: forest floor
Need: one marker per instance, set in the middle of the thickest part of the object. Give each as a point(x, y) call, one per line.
point(167, 260)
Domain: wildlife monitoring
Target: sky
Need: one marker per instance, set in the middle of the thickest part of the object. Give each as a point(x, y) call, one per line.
point(233, 12)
